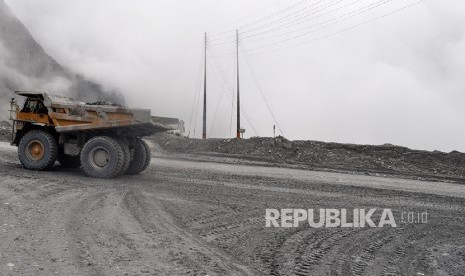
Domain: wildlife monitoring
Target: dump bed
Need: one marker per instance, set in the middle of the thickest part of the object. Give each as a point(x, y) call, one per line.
point(68, 115)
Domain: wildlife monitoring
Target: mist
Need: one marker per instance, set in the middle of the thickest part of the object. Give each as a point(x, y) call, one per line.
point(397, 80)
point(25, 65)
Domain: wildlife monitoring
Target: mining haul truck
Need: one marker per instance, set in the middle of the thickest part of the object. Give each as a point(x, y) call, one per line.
point(102, 139)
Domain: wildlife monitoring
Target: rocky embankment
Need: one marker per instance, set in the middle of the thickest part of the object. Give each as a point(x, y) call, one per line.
point(369, 159)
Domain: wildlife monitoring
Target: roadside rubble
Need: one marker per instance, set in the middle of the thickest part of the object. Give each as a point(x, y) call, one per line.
point(371, 159)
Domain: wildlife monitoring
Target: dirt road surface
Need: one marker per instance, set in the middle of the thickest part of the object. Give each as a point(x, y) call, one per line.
point(185, 217)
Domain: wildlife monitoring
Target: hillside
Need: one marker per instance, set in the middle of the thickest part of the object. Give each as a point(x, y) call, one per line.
point(25, 65)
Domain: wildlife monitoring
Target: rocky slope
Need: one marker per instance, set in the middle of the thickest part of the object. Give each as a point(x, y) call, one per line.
point(24, 65)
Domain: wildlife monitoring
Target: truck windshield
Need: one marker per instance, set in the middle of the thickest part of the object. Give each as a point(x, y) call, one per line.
point(34, 106)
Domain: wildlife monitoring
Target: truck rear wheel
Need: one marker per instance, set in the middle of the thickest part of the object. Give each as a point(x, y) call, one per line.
point(140, 158)
point(148, 155)
point(102, 157)
point(127, 156)
point(37, 150)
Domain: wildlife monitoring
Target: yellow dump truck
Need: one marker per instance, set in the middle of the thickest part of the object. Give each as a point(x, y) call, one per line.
point(102, 139)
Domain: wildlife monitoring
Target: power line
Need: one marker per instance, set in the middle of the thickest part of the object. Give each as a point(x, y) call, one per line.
point(264, 18)
point(216, 110)
point(196, 92)
point(229, 41)
point(299, 21)
point(340, 31)
point(324, 24)
point(220, 72)
point(268, 105)
point(274, 14)
point(292, 15)
point(229, 86)
point(290, 19)
point(245, 17)
point(334, 21)
point(286, 23)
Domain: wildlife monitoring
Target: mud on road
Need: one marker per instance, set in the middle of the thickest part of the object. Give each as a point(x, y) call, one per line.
point(184, 217)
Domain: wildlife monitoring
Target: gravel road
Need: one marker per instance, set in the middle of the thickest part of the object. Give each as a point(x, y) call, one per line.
point(186, 217)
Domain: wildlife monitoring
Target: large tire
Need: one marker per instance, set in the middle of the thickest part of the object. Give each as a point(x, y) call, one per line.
point(37, 150)
point(102, 157)
point(127, 156)
point(139, 158)
point(69, 161)
point(148, 155)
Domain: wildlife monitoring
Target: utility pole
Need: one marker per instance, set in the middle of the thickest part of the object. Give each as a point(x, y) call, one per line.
point(238, 133)
point(204, 132)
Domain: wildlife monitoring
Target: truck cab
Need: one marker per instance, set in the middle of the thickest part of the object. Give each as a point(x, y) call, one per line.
point(34, 111)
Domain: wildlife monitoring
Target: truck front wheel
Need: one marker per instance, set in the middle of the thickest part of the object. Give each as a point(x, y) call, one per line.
point(102, 157)
point(37, 150)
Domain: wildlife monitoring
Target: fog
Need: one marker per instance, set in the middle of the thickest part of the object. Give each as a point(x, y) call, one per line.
point(24, 65)
point(395, 80)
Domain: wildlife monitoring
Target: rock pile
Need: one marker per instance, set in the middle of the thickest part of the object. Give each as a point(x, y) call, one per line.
point(374, 159)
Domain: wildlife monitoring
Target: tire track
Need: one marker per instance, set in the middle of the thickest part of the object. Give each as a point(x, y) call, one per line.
point(188, 253)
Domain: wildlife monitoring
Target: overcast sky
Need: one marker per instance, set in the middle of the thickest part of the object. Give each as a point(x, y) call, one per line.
point(399, 79)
